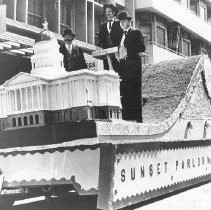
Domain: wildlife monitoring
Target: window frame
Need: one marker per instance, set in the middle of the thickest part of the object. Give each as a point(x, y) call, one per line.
point(201, 4)
point(186, 40)
point(34, 15)
point(70, 9)
point(165, 31)
point(197, 7)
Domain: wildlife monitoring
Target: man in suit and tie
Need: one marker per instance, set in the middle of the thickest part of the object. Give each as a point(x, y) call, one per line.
point(130, 47)
point(110, 33)
point(73, 55)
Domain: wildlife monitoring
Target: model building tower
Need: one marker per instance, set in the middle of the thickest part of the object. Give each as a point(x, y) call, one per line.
point(47, 61)
point(51, 95)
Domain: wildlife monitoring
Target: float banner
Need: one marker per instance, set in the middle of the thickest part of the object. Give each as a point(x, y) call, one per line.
point(143, 172)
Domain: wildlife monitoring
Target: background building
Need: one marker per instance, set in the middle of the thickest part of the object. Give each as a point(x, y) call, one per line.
point(172, 28)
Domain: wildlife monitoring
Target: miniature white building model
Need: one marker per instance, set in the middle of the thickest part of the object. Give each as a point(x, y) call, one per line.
point(47, 62)
point(50, 90)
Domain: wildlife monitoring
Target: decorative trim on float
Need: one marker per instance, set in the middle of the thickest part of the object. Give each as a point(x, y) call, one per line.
point(132, 128)
point(206, 74)
point(79, 167)
point(157, 171)
point(151, 146)
point(48, 148)
point(159, 192)
point(93, 143)
point(150, 170)
point(52, 182)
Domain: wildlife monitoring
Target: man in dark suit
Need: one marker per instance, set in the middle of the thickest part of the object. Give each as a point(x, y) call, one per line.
point(131, 44)
point(73, 55)
point(110, 33)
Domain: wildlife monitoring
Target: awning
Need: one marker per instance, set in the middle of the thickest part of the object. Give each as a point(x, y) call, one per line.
point(15, 44)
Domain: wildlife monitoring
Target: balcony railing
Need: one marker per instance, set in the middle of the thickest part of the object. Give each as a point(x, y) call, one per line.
point(156, 53)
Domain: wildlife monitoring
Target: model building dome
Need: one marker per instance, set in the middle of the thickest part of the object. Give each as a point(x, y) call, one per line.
point(45, 34)
point(47, 61)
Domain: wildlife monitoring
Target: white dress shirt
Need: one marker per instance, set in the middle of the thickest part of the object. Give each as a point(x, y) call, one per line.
point(69, 47)
point(122, 49)
point(123, 37)
point(108, 28)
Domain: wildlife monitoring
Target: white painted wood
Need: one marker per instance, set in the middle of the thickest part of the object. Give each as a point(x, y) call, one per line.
point(5, 46)
point(13, 44)
point(18, 52)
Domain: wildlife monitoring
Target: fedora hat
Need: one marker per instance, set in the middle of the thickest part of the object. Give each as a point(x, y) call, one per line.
point(111, 6)
point(124, 16)
point(68, 31)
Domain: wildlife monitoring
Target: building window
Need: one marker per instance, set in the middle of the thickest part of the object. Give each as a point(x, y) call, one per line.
point(194, 6)
point(203, 11)
point(186, 47)
point(147, 33)
point(60, 117)
point(161, 35)
point(65, 16)
point(36, 119)
point(35, 13)
point(13, 122)
point(110, 113)
point(103, 114)
point(71, 115)
point(46, 118)
point(66, 116)
point(25, 122)
point(31, 120)
point(19, 121)
point(117, 114)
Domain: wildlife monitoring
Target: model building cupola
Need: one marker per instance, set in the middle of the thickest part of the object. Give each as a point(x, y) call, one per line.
point(45, 34)
point(47, 61)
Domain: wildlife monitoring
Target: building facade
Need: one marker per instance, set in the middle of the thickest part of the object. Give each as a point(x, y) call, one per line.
point(83, 16)
point(172, 28)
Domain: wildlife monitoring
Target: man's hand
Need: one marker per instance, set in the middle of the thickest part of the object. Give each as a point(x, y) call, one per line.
point(116, 55)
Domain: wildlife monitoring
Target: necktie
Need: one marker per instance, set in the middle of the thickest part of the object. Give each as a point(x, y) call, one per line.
point(69, 48)
point(110, 21)
point(125, 33)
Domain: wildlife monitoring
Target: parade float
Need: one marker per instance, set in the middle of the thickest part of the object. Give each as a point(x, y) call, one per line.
point(63, 131)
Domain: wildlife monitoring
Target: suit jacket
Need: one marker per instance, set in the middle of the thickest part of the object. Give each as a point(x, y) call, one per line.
point(74, 60)
point(114, 36)
point(131, 68)
point(134, 43)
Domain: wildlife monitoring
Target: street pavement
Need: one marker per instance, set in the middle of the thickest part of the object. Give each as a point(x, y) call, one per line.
point(198, 198)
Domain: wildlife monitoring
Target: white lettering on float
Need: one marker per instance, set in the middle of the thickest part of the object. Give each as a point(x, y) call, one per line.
point(141, 172)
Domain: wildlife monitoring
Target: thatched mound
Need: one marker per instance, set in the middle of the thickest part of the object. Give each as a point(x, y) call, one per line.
point(164, 84)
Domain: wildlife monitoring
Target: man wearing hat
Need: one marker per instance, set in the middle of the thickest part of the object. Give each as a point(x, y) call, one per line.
point(110, 33)
point(73, 55)
point(131, 44)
